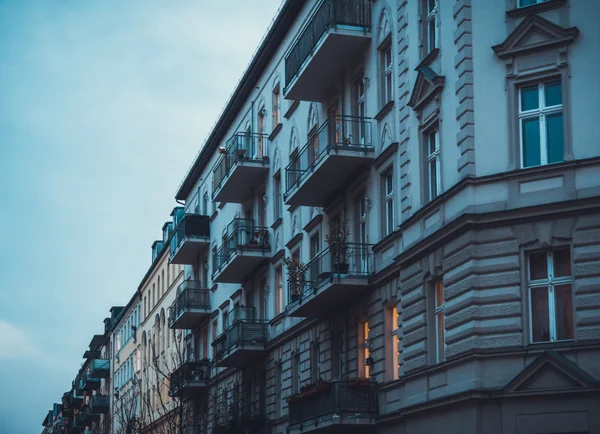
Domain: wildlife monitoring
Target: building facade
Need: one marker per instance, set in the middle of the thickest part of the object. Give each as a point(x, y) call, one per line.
point(393, 227)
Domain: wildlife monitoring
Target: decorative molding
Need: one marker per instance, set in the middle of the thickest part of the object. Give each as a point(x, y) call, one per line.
point(313, 223)
point(427, 85)
point(224, 304)
point(295, 240)
point(547, 35)
point(385, 155)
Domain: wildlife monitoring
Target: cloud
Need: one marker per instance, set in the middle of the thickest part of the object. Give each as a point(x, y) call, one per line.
point(15, 343)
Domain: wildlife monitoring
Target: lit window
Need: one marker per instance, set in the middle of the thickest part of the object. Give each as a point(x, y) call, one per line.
point(541, 124)
point(525, 3)
point(367, 351)
point(395, 343)
point(433, 164)
point(431, 11)
point(388, 211)
point(440, 331)
point(550, 296)
point(364, 354)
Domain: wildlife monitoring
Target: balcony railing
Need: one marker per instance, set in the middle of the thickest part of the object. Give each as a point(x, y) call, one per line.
point(345, 136)
point(190, 375)
point(88, 382)
point(353, 402)
point(330, 14)
point(191, 229)
point(243, 236)
point(242, 147)
point(99, 404)
point(337, 262)
point(192, 304)
point(99, 368)
point(243, 332)
point(238, 411)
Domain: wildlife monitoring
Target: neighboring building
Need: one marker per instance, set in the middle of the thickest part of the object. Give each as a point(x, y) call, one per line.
point(393, 227)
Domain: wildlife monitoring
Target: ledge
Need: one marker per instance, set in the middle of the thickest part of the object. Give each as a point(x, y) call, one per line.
point(278, 318)
point(313, 223)
point(292, 109)
point(535, 8)
point(387, 153)
point(277, 256)
point(428, 60)
point(384, 111)
point(277, 223)
point(276, 131)
point(213, 216)
point(295, 240)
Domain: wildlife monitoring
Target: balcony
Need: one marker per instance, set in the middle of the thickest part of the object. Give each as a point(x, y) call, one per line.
point(332, 155)
point(247, 246)
point(88, 382)
point(333, 39)
point(191, 236)
point(99, 404)
point(71, 400)
point(245, 413)
point(336, 275)
point(85, 417)
point(338, 406)
point(91, 354)
point(98, 341)
point(243, 339)
point(191, 305)
point(242, 167)
point(190, 378)
point(100, 368)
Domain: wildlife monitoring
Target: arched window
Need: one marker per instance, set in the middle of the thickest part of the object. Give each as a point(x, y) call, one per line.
point(386, 80)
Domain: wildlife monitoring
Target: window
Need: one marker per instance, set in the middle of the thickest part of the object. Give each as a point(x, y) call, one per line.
point(541, 124)
point(277, 198)
point(276, 106)
point(296, 372)
point(261, 150)
point(395, 342)
point(431, 11)
point(440, 340)
point(314, 361)
point(362, 254)
point(205, 209)
point(434, 182)
point(388, 201)
point(278, 290)
point(214, 329)
point(358, 110)
point(278, 390)
point(385, 58)
point(225, 319)
point(550, 296)
point(364, 361)
point(525, 3)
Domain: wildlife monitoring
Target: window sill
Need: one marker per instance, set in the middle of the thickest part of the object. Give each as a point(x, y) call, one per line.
point(536, 8)
point(277, 223)
point(292, 109)
point(213, 216)
point(428, 59)
point(384, 111)
point(275, 132)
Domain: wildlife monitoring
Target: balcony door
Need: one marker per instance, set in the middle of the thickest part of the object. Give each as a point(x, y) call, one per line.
point(360, 207)
point(358, 111)
point(334, 125)
point(260, 140)
point(313, 137)
point(315, 248)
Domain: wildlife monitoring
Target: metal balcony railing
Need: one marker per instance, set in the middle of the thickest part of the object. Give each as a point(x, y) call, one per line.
point(338, 133)
point(238, 408)
point(330, 14)
point(99, 368)
point(337, 261)
point(99, 403)
point(192, 295)
point(350, 397)
point(189, 372)
point(242, 329)
point(190, 226)
point(241, 147)
point(242, 234)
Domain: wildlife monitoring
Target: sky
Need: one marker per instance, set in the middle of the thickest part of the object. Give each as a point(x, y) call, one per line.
point(103, 106)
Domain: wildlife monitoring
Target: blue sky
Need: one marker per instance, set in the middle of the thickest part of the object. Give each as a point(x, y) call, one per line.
point(103, 105)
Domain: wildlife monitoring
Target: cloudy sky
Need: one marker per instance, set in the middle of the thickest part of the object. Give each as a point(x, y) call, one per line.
point(103, 105)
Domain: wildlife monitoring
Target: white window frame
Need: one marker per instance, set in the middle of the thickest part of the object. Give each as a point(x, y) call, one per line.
point(387, 73)
point(535, 2)
point(439, 314)
point(550, 282)
point(433, 156)
point(388, 195)
point(276, 105)
point(541, 113)
point(431, 17)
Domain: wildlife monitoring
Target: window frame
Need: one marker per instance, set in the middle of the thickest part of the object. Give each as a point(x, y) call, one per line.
point(430, 15)
point(550, 282)
point(430, 157)
point(278, 284)
point(386, 71)
point(541, 112)
point(439, 312)
point(535, 2)
point(395, 340)
point(276, 103)
point(388, 201)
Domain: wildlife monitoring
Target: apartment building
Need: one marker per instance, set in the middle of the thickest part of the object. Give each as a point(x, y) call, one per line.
point(403, 199)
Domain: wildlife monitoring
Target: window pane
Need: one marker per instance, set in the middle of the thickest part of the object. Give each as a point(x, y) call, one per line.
point(433, 179)
point(562, 263)
point(439, 294)
point(523, 3)
point(553, 93)
point(555, 138)
point(529, 98)
point(531, 142)
point(388, 184)
point(539, 314)
point(538, 266)
point(564, 312)
point(431, 36)
point(430, 5)
point(440, 336)
point(432, 146)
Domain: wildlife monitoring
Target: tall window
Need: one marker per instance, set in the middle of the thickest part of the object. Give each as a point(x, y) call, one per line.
point(296, 372)
point(541, 123)
point(358, 110)
point(440, 335)
point(205, 209)
point(434, 181)
point(550, 296)
point(278, 390)
point(388, 202)
point(395, 342)
point(385, 56)
point(525, 3)
point(261, 151)
point(315, 248)
point(277, 198)
point(276, 106)
point(314, 361)
point(431, 11)
point(364, 368)
point(278, 290)
point(361, 230)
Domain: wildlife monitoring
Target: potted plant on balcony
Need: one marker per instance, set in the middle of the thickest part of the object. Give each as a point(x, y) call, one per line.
point(295, 272)
point(337, 239)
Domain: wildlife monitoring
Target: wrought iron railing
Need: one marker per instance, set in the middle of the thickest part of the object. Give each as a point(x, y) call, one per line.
point(338, 133)
point(242, 234)
point(190, 226)
point(237, 408)
point(99, 368)
point(243, 328)
point(241, 147)
point(189, 371)
point(337, 261)
point(99, 403)
point(191, 295)
point(356, 398)
point(330, 14)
